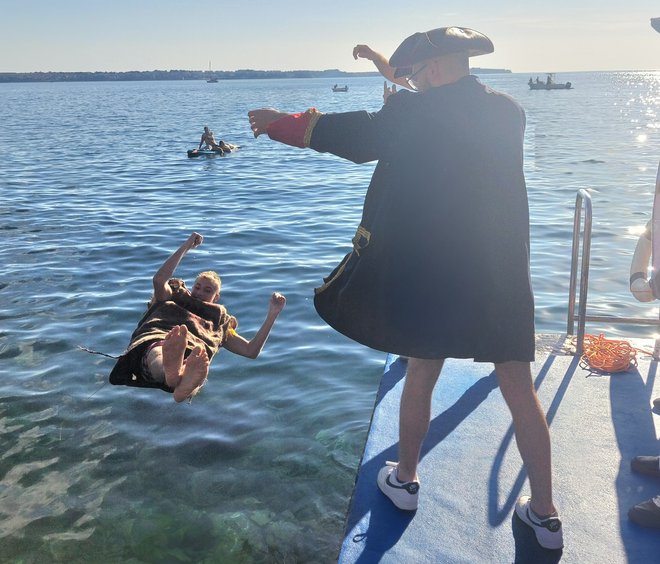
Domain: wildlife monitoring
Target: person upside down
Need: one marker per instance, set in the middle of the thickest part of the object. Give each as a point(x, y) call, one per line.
point(183, 329)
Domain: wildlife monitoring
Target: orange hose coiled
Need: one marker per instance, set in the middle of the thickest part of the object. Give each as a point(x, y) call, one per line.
point(608, 355)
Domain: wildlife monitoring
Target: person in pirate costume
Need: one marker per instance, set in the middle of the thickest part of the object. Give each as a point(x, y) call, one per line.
point(183, 329)
point(440, 261)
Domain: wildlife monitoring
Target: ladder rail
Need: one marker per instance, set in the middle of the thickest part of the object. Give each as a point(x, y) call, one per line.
point(583, 201)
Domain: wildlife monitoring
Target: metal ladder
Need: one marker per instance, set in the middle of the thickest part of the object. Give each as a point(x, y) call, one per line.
point(583, 199)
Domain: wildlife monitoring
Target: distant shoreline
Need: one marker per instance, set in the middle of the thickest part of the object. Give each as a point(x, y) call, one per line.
point(103, 76)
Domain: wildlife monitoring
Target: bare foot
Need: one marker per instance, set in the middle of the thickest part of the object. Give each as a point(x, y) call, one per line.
point(195, 370)
point(173, 349)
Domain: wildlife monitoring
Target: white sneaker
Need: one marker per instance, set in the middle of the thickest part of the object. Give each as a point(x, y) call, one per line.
point(402, 494)
point(548, 531)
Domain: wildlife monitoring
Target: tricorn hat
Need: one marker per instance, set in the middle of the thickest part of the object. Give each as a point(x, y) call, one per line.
point(422, 46)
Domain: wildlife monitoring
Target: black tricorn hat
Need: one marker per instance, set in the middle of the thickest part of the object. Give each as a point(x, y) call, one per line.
point(422, 46)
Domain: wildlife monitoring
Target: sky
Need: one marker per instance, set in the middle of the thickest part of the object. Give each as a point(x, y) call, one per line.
point(122, 35)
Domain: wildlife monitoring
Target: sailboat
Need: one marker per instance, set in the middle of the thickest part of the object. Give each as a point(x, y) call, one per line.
point(211, 77)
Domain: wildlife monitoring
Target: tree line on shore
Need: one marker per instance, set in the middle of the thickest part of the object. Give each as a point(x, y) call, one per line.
point(185, 75)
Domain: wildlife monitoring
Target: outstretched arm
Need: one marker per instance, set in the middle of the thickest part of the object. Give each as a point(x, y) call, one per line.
point(382, 64)
point(251, 349)
point(162, 290)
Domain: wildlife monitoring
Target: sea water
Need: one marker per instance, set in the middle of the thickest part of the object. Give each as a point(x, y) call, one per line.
point(97, 191)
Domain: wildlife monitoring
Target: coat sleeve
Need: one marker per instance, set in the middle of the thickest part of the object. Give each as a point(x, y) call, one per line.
point(361, 136)
point(352, 135)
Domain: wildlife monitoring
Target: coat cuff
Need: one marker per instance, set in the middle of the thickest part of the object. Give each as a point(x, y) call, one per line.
point(295, 129)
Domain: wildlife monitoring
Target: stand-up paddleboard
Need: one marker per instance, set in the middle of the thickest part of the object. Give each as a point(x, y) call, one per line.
point(203, 152)
point(211, 152)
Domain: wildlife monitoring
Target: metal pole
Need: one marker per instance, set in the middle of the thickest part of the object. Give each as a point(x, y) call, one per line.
point(574, 260)
point(584, 277)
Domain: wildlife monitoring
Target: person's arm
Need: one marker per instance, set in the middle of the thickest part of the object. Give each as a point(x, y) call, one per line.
point(355, 136)
point(162, 290)
point(382, 64)
point(251, 349)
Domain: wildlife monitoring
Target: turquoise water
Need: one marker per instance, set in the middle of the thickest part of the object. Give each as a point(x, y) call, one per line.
point(96, 192)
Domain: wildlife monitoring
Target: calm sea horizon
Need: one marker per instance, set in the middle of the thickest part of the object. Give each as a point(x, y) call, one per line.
point(97, 191)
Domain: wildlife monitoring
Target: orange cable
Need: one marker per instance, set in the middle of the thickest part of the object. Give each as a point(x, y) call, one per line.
point(608, 355)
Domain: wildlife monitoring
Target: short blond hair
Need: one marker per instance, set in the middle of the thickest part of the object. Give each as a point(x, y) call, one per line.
point(211, 275)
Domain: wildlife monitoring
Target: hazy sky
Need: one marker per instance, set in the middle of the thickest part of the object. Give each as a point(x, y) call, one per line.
point(120, 35)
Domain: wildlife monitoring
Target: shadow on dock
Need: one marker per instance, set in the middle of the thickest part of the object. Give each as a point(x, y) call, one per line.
point(471, 472)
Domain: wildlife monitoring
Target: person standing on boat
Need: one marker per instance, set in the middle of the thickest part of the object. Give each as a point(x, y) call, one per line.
point(440, 262)
point(647, 513)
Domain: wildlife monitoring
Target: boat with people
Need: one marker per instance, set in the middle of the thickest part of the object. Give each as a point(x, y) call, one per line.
point(337, 88)
point(548, 84)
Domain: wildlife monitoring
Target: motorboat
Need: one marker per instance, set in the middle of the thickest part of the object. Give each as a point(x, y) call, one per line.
point(548, 84)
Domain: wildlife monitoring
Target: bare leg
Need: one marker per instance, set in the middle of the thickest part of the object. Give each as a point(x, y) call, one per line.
point(195, 370)
point(531, 428)
point(415, 413)
point(173, 349)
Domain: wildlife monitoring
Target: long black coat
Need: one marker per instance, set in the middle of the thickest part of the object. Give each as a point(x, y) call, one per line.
point(440, 265)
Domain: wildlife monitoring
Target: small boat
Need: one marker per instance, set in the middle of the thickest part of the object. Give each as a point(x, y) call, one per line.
point(211, 79)
point(548, 84)
point(337, 88)
point(655, 24)
point(553, 86)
